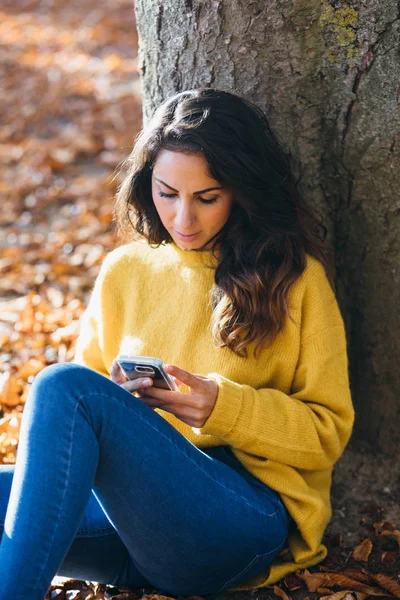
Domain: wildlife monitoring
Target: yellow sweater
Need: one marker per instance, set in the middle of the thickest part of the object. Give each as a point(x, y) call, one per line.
point(287, 415)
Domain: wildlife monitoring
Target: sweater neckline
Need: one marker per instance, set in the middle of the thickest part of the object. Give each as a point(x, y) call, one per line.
point(193, 258)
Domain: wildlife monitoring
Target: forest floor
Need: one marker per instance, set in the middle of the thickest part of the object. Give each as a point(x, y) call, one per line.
point(69, 112)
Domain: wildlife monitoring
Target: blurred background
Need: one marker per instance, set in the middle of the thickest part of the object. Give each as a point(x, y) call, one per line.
point(70, 109)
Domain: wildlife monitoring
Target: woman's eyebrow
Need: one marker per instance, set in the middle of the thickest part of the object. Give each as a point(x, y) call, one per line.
point(199, 192)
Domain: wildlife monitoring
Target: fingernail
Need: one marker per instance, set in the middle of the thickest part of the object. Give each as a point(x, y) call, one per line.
point(147, 381)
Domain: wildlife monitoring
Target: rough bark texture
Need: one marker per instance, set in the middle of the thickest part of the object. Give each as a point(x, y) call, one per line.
point(327, 74)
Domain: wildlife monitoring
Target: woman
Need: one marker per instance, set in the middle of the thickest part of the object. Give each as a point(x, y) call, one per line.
point(199, 490)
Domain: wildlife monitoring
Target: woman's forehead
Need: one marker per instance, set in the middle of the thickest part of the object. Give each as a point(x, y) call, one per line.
point(176, 165)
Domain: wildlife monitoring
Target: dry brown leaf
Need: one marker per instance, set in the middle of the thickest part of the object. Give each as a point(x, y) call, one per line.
point(279, 592)
point(61, 125)
point(383, 526)
point(317, 580)
point(314, 580)
point(352, 584)
point(357, 574)
point(341, 595)
point(387, 583)
point(323, 590)
point(363, 550)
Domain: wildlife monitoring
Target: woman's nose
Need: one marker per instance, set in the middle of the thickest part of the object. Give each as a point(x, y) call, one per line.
point(184, 217)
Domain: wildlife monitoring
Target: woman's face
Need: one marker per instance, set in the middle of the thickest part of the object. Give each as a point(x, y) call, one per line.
point(192, 206)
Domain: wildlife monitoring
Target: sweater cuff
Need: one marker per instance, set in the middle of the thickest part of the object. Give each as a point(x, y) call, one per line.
point(226, 409)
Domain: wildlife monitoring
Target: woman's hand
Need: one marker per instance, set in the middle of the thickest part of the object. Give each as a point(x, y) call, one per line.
point(194, 407)
point(131, 385)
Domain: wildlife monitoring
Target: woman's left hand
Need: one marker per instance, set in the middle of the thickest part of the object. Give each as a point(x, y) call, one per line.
point(193, 407)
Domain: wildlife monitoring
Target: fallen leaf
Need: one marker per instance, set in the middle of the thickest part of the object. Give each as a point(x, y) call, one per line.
point(387, 583)
point(314, 581)
point(363, 550)
point(358, 574)
point(341, 595)
point(354, 585)
point(383, 526)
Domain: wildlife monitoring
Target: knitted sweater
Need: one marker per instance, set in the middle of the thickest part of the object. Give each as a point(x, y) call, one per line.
point(287, 415)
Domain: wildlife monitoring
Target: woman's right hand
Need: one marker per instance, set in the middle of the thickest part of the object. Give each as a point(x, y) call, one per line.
point(135, 385)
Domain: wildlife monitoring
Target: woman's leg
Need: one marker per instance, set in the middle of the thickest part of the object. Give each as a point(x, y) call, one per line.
point(96, 554)
point(190, 522)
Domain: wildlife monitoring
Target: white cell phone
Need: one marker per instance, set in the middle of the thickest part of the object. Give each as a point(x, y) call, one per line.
point(146, 366)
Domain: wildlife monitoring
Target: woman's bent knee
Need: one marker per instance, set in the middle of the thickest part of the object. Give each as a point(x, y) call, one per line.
point(58, 383)
point(61, 376)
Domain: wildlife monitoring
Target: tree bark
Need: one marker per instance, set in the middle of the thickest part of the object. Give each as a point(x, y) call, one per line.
point(327, 74)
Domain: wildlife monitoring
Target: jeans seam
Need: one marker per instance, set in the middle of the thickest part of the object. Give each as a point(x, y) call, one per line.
point(41, 571)
point(109, 397)
point(228, 583)
point(101, 530)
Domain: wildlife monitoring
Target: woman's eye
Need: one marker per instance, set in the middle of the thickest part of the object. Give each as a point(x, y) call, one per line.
point(203, 200)
point(211, 201)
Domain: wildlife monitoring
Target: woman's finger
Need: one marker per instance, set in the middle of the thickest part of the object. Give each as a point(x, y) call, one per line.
point(171, 398)
point(153, 402)
point(184, 376)
point(134, 385)
point(116, 373)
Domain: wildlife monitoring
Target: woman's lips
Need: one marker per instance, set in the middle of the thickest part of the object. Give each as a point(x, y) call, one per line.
point(186, 237)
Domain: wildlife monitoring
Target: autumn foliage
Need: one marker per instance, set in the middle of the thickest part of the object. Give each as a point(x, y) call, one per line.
point(70, 110)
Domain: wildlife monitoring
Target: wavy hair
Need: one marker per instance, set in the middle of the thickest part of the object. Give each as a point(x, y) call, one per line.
point(262, 247)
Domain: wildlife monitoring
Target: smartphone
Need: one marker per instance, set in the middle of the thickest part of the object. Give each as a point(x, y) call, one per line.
point(146, 366)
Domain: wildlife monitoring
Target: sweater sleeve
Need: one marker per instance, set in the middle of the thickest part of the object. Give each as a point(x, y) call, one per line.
point(88, 351)
point(310, 427)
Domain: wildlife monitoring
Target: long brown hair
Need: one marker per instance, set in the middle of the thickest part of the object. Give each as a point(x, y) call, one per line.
point(262, 247)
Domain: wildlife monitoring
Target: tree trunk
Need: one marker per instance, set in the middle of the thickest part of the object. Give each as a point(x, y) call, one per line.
point(327, 74)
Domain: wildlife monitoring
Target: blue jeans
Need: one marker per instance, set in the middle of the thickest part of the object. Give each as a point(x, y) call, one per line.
point(104, 489)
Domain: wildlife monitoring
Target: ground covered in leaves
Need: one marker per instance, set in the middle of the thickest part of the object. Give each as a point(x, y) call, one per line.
point(70, 109)
point(69, 112)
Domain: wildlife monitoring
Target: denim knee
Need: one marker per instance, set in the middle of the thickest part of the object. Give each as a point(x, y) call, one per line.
point(64, 374)
point(57, 378)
